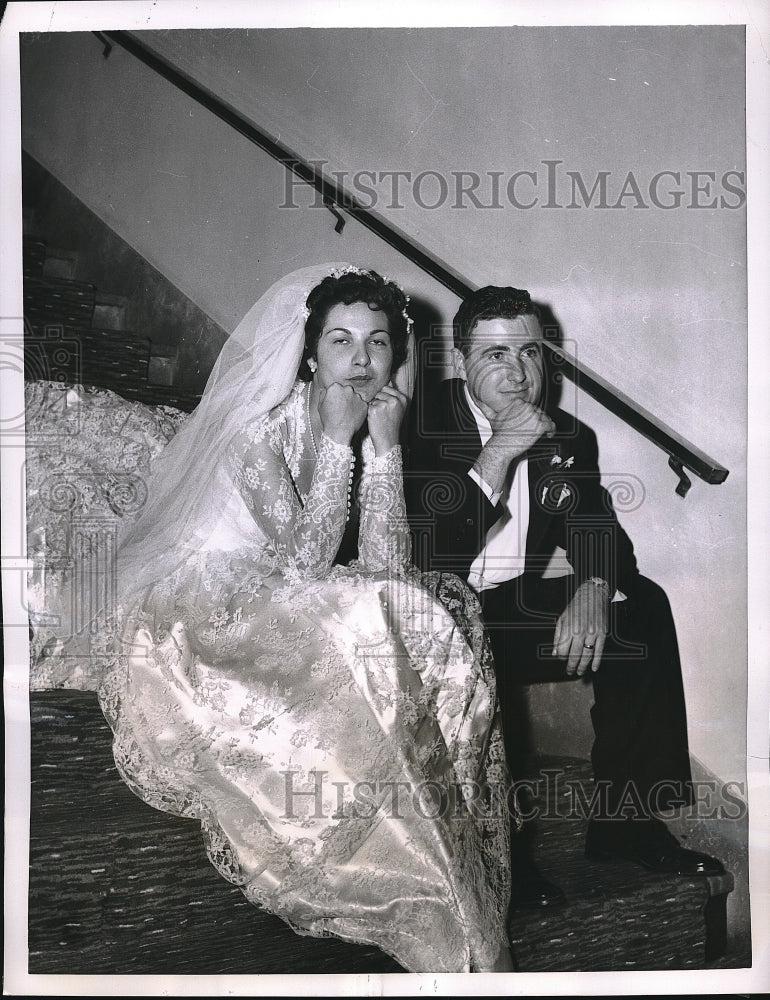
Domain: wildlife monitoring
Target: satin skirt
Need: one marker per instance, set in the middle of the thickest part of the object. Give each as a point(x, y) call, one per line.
point(339, 744)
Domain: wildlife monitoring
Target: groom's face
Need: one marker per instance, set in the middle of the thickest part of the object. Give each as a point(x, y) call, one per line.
point(503, 363)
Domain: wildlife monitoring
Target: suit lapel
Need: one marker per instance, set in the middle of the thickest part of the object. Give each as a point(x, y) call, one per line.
point(461, 452)
point(540, 469)
point(465, 441)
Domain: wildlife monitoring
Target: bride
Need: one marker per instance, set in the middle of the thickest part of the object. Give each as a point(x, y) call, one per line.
point(331, 726)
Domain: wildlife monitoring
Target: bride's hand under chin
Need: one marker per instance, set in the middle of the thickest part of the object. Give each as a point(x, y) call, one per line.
point(386, 412)
point(342, 412)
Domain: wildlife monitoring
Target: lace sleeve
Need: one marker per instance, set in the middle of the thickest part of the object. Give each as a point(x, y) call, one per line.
point(305, 536)
point(384, 539)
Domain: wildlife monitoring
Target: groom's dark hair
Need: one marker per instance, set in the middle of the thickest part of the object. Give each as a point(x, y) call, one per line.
point(490, 302)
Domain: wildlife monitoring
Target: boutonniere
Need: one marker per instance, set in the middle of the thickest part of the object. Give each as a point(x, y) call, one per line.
point(549, 494)
point(555, 493)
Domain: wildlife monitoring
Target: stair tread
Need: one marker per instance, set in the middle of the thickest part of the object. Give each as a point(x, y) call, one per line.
point(107, 919)
point(110, 299)
point(617, 915)
point(46, 285)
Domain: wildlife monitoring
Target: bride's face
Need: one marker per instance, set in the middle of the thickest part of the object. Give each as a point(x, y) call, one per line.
point(355, 349)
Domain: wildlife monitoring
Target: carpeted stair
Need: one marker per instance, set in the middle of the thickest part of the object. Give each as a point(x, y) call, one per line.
point(117, 887)
point(618, 916)
point(75, 333)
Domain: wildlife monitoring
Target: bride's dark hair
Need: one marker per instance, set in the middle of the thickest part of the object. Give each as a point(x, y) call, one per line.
point(345, 289)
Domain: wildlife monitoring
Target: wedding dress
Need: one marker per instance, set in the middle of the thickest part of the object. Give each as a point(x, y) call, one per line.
point(332, 727)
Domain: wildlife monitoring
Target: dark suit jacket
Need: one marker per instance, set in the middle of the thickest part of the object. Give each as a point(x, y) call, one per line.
point(450, 515)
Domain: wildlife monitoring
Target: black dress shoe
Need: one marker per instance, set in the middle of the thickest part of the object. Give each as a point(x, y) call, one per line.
point(531, 890)
point(650, 846)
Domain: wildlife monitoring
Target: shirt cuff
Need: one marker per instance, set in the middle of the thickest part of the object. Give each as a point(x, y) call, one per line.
point(485, 488)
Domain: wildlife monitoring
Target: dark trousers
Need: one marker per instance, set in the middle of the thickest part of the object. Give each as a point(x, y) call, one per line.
point(639, 719)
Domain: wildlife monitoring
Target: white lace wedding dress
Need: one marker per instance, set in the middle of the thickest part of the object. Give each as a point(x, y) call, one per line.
point(332, 727)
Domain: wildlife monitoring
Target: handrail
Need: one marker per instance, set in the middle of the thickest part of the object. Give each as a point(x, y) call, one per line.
point(682, 454)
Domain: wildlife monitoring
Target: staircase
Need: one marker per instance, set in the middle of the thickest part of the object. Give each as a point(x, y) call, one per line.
point(76, 333)
point(116, 887)
point(617, 915)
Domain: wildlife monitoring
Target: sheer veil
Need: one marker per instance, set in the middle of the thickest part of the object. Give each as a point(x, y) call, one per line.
point(255, 371)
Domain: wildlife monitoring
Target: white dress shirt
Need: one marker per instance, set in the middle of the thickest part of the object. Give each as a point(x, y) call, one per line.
point(504, 552)
point(502, 557)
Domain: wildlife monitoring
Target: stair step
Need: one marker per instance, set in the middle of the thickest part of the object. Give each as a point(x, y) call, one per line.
point(28, 221)
point(110, 312)
point(61, 345)
point(141, 897)
point(116, 887)
point(160, 395)
point(62, 288)
point(76, 354)
point(620, 917)
point(34, 250)
point(617, 915)
point(56, 315)
point(58, 301)
point(60, 263)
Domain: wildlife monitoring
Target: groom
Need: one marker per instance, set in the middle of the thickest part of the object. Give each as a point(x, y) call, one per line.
point(498, 482)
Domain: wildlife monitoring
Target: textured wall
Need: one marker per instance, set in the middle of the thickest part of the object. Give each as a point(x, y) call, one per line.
point(155, 310)
point(654, 297)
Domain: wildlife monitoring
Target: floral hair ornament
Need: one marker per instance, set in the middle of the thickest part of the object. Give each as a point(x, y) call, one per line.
point(352, 269)
point(404, 313)
point(304, 311)
point(347, 269)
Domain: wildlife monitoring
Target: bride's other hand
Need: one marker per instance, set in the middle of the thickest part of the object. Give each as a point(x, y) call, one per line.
point(342, 412)
point(386, 412)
